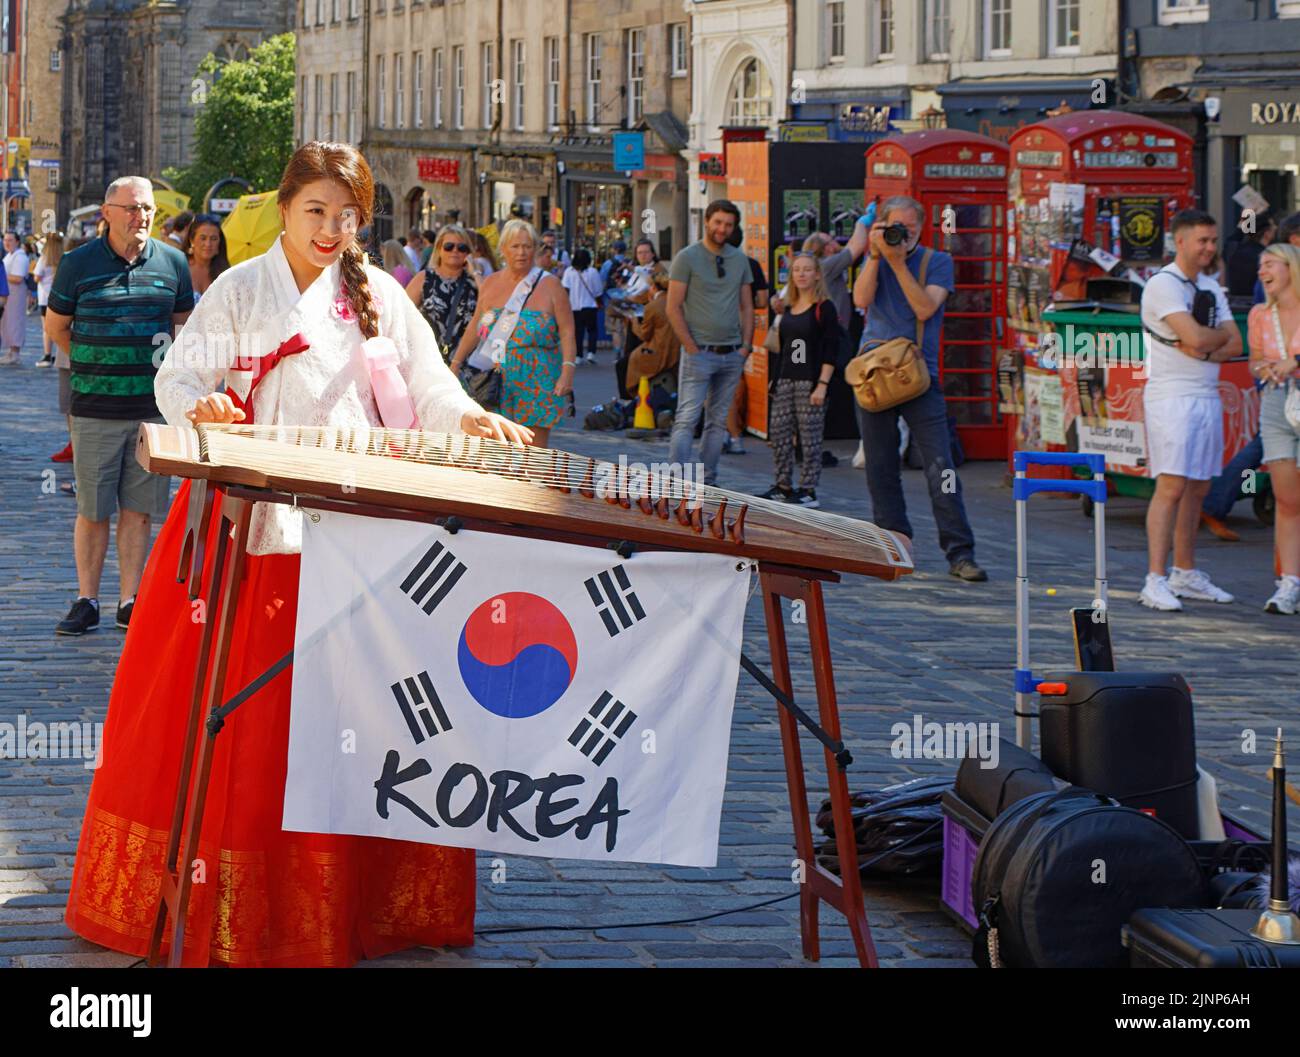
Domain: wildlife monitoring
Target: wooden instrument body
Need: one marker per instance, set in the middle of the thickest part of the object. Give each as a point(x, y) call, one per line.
point(541, 489)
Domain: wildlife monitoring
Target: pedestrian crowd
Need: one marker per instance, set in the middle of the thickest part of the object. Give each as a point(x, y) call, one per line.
point(514, 318)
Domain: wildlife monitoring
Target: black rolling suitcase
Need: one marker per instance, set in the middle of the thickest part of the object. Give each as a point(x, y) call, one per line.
point(1126, 735)
point(1202, 939)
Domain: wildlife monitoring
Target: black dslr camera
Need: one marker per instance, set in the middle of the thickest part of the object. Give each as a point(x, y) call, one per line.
point(895, 234)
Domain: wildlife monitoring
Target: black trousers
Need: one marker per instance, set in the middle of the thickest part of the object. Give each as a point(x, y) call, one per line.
point(584, 322)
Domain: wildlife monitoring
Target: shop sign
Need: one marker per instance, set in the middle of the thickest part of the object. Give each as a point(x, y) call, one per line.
point(516, 167)
point(864, 117)
point(790, 132)
point(712, 166)
point(1130, 159)
point(438, 170)
point(1274, 113)
point(629, 151)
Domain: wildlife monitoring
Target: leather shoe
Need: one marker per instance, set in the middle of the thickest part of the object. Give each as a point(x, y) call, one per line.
point(966, 569)
point(1219, 529)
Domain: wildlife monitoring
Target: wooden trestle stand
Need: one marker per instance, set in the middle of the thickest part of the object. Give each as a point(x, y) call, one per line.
point(207, 711)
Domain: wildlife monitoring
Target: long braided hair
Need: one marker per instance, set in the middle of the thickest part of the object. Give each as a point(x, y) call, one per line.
point(341, 163)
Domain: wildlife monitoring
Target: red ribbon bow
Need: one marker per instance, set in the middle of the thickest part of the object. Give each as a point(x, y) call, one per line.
point(263, 365)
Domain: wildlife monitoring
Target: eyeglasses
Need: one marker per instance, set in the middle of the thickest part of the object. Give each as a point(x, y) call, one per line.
point(722, 266)
point(454, 247)
point(135, 211)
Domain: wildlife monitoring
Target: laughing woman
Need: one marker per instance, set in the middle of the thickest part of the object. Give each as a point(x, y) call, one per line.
point(271, 898)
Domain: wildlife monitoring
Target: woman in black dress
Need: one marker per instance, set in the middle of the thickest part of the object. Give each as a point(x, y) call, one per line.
point(446, 292)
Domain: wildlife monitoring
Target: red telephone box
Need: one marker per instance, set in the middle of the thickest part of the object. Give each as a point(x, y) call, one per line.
point(1089, 193)
point(960, 178)
point(1119, 179)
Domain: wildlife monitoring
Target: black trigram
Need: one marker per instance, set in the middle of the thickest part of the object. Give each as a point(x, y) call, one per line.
point(420, 706)
point(421, 581)
point(602, 727)
point(617, 604)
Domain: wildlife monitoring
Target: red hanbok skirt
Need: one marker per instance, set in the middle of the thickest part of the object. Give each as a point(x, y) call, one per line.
point(267, 897)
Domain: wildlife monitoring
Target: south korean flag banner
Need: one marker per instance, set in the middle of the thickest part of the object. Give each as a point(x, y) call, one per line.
point(487, 691)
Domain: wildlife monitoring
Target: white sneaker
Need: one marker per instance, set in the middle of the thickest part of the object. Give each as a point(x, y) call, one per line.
point(1156, 594)
point(1286, 599)
point(1194, 584)
point(860, 458)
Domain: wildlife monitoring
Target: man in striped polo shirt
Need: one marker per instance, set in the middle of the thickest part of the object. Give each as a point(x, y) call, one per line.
point(113, 303)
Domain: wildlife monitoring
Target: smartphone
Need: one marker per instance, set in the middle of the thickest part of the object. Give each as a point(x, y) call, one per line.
point(1092, 648)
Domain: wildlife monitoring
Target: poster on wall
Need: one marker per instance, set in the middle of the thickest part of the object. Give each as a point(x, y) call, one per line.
point(801, 214)
point(1011, 392)
point(846, 207)
point(1141, 228)
point(1065, 201)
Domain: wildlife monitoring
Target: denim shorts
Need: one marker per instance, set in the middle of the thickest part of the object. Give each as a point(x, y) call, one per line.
point(1279, 436)
point(108, 474)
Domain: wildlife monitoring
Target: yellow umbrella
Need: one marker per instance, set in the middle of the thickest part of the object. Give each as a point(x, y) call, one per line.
point(170, 204)
point(252, 227)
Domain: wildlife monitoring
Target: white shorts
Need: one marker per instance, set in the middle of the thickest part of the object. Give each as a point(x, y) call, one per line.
point(1185, 436)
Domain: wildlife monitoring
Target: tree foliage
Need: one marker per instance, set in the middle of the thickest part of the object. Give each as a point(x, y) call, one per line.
point(244, 125)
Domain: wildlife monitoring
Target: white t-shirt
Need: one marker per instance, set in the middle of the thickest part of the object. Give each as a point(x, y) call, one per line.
point(1172, 373)
point(584, 288)
point(44, 282)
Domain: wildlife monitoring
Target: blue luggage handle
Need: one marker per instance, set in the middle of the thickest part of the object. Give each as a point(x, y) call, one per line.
point(1024, 487)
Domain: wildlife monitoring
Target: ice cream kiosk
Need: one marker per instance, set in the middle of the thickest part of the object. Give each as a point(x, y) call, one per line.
point(1090, 200)
point(960, 179)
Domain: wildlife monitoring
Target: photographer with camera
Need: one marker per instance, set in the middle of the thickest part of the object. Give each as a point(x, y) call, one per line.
point(1189, 332)
point(902, 288)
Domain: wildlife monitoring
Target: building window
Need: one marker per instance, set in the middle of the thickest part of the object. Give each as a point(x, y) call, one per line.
point(52, 178)
point(884, 29)
point(458, 86)
point(997, 28)
point(1065, 26)
point(517, 56)
point(354, 8)
point(591, 48)
point(679, 42)
point(417, 89)
point(352, 107)
point(552, 82)
point(635, 75)
point(318, 126)
point(1174, 11)
point(56, 60)
point(381, 84)
point(835, 30)
point(437, 88)
point(938, 21)
point(334, 106)
point(334, 13)
point(488, 62)
point(302, 95)
point(749, 102)
point(1288, 8)
point(399, 91)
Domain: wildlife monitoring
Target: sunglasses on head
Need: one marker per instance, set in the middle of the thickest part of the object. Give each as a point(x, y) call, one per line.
point(457, 247)
point(722, 266)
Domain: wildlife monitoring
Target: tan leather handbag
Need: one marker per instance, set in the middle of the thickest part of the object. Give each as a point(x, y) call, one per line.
point(892, 372)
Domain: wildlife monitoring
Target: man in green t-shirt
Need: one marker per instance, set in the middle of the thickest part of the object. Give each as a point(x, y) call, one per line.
point(711, 307)
point(116, 301)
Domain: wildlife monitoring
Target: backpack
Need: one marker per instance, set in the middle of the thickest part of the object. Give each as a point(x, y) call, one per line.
point(1059, 873)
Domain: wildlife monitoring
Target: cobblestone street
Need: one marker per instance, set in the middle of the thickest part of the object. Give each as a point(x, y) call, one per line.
point(927, 645)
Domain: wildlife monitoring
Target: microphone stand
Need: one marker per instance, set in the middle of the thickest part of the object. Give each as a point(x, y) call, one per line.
point(1279, 923)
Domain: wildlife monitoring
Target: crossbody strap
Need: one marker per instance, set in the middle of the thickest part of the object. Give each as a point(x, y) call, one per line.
point(920, 323)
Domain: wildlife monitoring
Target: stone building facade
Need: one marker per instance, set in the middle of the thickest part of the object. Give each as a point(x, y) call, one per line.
point(129, 89)
point(474, 108)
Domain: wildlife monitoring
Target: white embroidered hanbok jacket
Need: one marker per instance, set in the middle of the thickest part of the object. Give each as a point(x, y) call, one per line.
point(255, 306)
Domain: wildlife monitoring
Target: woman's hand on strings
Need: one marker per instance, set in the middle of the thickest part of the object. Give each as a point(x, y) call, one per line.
point(215, 407)
point(495, 426)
